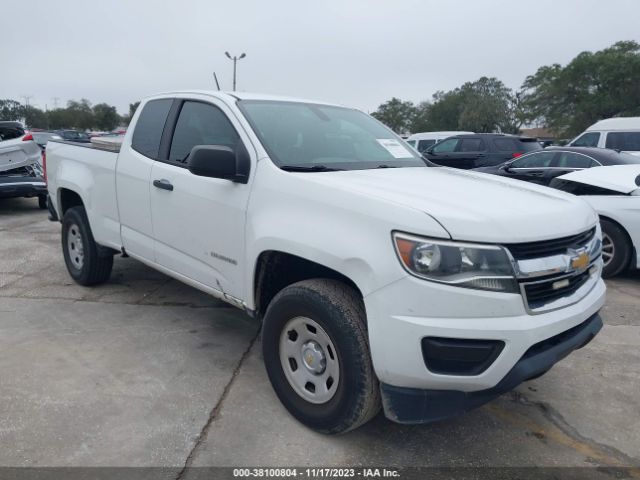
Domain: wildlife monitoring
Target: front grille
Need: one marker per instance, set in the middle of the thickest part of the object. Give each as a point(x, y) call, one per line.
point(546, 248)
point(539, 294)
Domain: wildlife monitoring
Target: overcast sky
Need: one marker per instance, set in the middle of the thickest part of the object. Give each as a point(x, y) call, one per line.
point(355, 52)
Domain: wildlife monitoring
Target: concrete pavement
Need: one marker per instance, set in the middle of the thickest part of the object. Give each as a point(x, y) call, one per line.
point(145, 371)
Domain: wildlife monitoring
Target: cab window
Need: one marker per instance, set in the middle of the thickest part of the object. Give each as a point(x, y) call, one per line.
point(149, 127)
point(200, 124)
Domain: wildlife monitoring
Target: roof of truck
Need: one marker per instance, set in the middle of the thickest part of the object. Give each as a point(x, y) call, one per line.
point(248, 96)
point(617, 123)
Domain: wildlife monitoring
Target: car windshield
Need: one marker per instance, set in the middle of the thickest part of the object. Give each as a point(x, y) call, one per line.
point(320, 137)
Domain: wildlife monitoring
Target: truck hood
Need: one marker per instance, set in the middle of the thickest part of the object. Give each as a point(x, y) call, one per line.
point(471, 206)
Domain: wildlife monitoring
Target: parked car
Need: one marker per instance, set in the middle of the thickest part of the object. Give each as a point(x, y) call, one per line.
point(41, 138)
point(622, 133)
point(20, 170)
point(424, 140)
point(479, 150)
point(543, 166)
point(614, 192)
point(73, 136)
point(371, 282)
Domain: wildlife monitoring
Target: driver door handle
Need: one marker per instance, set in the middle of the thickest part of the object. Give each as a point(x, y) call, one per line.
point(163, 184)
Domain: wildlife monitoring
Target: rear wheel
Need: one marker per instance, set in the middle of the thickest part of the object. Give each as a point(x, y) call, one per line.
point(616, 249)
point(317, 356)
point(87, 262)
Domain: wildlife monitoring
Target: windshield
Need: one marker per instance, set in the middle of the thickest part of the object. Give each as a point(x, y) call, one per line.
point(308, 135)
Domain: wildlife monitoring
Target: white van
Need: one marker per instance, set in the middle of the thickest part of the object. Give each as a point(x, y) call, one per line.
point(621, 133)
point(422, 141)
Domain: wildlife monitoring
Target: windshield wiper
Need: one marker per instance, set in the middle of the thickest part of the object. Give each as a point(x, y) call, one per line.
point(386, 166)
point(308, 168)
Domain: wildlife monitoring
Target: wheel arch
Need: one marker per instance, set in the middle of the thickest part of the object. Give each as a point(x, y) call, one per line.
point(275, 270)
point(634, 254)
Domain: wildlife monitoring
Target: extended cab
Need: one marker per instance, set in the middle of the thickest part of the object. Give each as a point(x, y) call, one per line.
point(379, 281)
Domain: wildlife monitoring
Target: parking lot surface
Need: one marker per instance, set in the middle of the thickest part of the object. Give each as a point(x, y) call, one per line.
point(145, 371)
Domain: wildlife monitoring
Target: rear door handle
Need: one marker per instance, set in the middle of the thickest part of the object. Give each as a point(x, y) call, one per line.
point(164, 184)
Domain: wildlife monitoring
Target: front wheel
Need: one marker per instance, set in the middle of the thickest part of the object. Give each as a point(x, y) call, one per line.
point(616, 249)
point(87, 263)
point(316, 353)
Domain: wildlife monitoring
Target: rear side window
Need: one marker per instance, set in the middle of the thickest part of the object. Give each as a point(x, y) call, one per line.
point(9, 131)
point(471, 145)
point(148, 130)
point(201, 124)
point(574, 160)
point(590, 139)
point(629, 141)
point(504, 145)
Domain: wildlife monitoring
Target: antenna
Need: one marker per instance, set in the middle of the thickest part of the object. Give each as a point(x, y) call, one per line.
point(215, 77)
point(26, 99)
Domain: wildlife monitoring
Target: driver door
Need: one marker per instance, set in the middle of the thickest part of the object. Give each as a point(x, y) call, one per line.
point(199, 222)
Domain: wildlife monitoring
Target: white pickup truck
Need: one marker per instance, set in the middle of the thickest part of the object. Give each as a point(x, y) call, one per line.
point(380, 281)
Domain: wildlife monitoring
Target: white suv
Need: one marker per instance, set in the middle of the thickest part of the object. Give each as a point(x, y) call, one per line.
point(621, 134)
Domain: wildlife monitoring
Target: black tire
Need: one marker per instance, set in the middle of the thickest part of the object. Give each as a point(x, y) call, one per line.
point(97, 261)
point(615, 236)
point(339, 310)
point(42, 202)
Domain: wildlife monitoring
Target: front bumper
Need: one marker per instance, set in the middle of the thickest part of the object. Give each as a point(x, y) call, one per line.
point(408, 405)
point(401, 314)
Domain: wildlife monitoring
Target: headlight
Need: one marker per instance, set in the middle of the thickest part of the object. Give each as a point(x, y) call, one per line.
point(484, 267)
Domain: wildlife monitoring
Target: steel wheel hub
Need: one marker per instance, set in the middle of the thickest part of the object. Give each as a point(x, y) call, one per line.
point(608, 249)
point(309, 360)
point(75, 248)
point(313, 357)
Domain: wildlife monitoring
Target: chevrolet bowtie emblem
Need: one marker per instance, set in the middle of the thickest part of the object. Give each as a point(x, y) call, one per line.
point(580, 261)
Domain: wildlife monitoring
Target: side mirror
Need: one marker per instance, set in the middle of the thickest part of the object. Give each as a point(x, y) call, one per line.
point(219, 161)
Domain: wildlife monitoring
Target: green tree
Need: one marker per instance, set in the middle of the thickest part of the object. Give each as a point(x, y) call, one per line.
point(591, 87)
point(483, 106)
point(445, 111)
point(133, 107)
point(80, 114)
point(420, 120)
point(10, 110)
point(59, 118)
point(396, 114)
point(105, 117)
point(488, 106)
point(34, 117)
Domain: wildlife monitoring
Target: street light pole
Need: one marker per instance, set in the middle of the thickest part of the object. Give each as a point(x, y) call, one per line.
point(235, 61)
